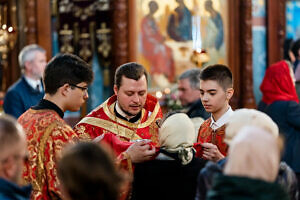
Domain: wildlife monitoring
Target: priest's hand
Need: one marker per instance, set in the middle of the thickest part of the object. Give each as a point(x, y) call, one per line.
point(140, 151)
point(211, 152)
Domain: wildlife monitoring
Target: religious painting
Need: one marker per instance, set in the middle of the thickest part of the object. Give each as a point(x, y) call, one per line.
point(292, 19)
point(175, 35)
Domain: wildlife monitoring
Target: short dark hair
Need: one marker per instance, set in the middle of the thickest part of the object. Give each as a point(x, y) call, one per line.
point(295, 47)
point(219, 73)
point(66, 68)
point(193, 75)
point(130, 70)
point(88, 172)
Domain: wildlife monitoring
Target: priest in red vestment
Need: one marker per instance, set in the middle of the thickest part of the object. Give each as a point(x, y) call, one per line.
point(131, 114)
point(66, 79)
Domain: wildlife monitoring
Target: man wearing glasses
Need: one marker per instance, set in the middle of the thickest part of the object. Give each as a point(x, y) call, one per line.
point(12, 156)
point(66, 79)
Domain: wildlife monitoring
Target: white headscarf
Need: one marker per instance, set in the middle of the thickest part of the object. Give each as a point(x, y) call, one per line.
point(253, 153)
point(249, 117)
point(176, 135)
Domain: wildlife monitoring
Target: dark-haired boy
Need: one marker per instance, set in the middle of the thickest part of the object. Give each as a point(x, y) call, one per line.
point(66, 79)
point(216, 89)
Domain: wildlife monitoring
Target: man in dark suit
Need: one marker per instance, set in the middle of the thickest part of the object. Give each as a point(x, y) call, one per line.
point(189, 93)
point(28, 90)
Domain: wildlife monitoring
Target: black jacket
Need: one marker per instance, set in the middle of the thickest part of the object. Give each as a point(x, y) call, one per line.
point(196, 109)
point(243, 188)
point(166, 179)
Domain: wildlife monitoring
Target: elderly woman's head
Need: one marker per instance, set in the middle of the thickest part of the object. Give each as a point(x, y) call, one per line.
point(253, 153)
point(249, 117)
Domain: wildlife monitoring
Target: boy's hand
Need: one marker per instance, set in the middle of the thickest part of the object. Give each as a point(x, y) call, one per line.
point(140, 151)
point(211, 152)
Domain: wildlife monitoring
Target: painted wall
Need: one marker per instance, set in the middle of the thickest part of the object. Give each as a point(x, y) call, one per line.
point(259, 35)
point(293, 19)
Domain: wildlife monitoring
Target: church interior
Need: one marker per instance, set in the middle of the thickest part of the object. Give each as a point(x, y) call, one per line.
point(150, 99)
point(248, 36)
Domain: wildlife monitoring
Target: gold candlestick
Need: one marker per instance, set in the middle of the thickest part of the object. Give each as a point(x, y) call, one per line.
point(199, 57)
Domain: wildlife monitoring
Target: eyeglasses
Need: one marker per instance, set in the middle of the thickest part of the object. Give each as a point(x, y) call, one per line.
point(84, 89)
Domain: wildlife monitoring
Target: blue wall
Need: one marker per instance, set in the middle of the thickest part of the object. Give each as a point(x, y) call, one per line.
point(293, 19)
point(259, 46)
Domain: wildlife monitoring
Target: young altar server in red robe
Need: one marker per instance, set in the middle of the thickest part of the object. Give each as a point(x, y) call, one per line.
point(66, 79)
point(216, 89)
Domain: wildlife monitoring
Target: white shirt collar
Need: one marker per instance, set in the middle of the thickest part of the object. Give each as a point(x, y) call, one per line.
point(222, 120)
point(33, 83)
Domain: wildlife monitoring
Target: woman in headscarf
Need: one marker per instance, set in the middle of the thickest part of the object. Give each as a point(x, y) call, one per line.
point(281, 103)
point(251, 168)
point(238, 120)
point(173, 173)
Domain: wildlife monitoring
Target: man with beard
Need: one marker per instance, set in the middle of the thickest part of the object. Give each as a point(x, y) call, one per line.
point(28, 90)
point(189, 93)
point(130, 115)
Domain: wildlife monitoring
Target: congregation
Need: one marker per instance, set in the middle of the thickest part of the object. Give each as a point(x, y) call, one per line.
point(127, 148)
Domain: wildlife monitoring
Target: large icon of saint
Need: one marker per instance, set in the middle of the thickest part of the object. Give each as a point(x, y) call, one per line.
point(180, 23)
point(154, 49)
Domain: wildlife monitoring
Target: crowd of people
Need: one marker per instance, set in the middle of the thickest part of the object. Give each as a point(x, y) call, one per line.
point(126, 145)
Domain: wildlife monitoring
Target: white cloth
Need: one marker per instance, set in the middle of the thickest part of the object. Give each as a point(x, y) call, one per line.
point(223, 119)
point(249, 117)
point(176, 135)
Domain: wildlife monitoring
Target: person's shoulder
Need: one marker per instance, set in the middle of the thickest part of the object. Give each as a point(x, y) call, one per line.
point(261, 106)
point(24, 115)
point(283, 105)
point(38, 116)
point(151, 102)
point(98, 113)
point(196, 104)
point(60, 125)
point(151, 98)
point(283, 102)
point(277, 106)
point(4, 196)
point(16, 86)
